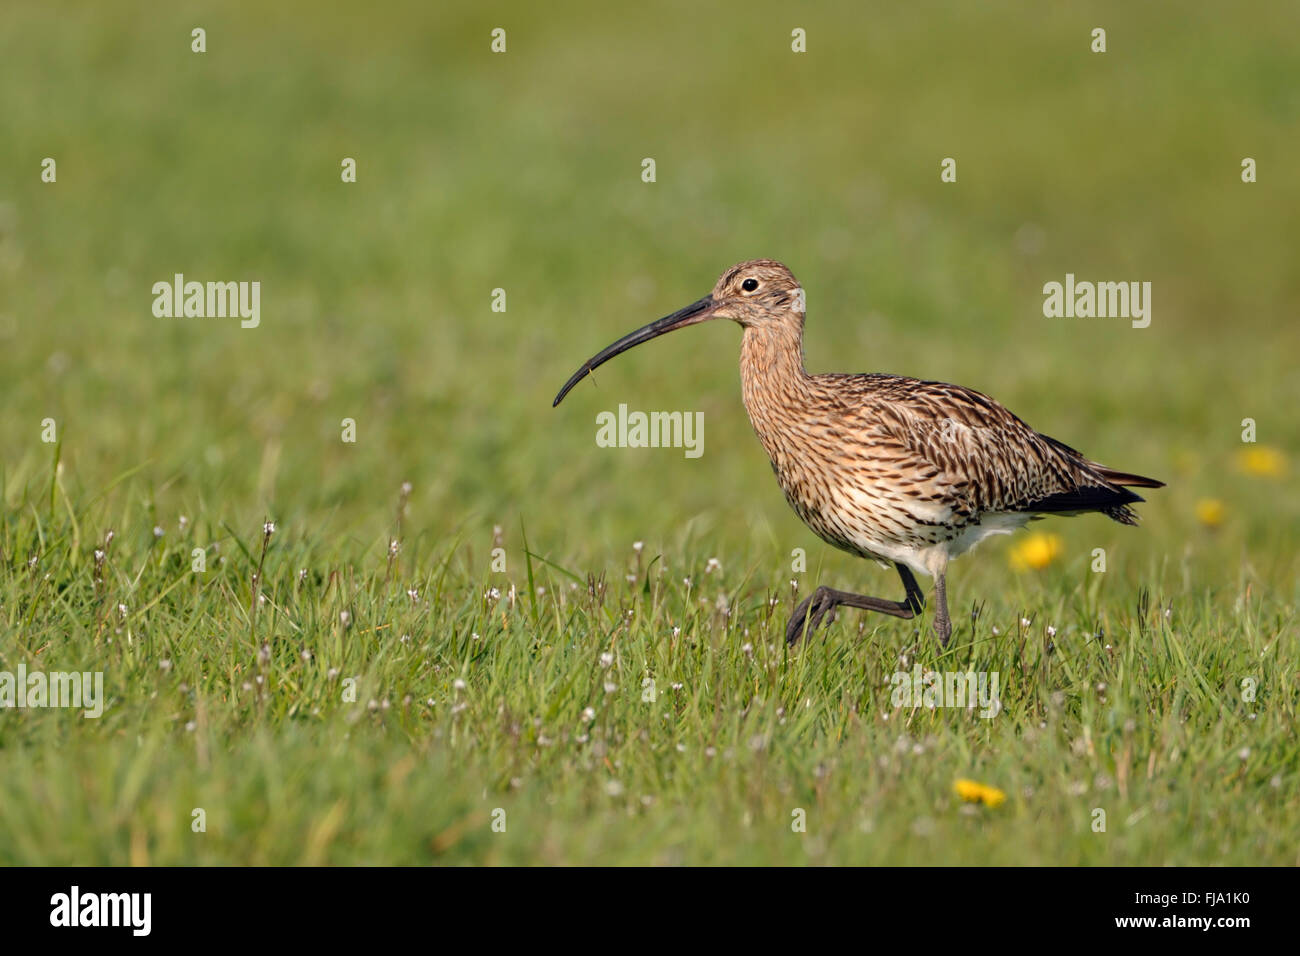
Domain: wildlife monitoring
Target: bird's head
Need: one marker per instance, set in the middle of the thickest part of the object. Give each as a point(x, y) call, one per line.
point(758, 294)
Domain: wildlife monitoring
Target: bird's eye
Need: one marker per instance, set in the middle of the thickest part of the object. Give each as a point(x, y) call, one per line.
point(749, 285)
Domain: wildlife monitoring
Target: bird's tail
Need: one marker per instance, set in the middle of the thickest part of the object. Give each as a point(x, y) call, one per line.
point(1120, 511)
point(1124, 479)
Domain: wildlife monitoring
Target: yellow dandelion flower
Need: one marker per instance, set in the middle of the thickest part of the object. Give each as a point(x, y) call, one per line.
point(973, 792)
point(1262, 460)
point(1036, 551)
point(1209, 512)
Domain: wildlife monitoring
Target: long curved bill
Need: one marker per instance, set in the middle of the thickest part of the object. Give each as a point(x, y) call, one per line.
point(695, 312)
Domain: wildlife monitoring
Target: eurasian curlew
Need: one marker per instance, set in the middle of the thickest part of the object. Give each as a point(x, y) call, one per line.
point(885, 467)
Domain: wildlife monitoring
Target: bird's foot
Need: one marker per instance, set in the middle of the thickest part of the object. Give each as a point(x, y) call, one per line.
point(823, 612)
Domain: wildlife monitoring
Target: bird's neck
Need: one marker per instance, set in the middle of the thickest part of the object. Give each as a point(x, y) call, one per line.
point(772, 378)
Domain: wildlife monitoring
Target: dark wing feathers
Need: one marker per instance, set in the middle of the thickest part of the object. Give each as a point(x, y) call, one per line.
point(1002, 463)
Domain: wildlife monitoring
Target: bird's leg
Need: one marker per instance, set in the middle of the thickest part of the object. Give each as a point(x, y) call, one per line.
point(942, 625)
point(819, 607)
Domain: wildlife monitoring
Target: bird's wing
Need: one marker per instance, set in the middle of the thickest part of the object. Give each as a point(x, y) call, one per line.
point(978, 455)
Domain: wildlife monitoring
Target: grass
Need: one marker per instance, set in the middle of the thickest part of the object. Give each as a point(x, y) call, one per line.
point(474, 689)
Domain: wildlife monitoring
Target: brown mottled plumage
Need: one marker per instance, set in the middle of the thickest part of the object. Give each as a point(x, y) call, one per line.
point(886, 467)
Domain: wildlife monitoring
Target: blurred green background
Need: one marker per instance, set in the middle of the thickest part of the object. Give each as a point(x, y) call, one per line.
point(522, 171)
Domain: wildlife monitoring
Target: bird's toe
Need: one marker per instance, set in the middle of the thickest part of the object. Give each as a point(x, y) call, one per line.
point(794, 630)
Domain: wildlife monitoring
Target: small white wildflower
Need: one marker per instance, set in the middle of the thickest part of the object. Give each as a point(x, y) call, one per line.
point(306, 654)
point(458, 684)
point(637, 546)
point(610, 687)
point(268, 529)
point(345, 618)
point(588, 715)
point(190, 726)
point(606, 659)
point(183, 522)
point(165, 664)
point(1051, 631)
point(713, 565)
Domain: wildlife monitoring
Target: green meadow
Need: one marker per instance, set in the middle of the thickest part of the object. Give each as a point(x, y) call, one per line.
point(544, 651)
